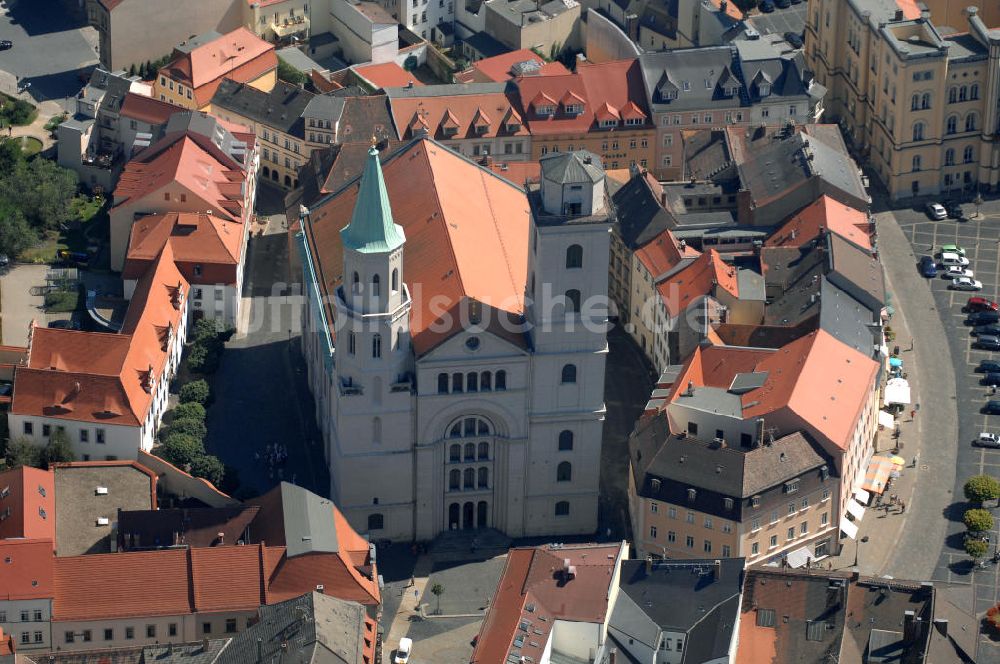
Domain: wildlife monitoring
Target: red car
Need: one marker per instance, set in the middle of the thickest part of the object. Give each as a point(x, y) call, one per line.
point(981, 304)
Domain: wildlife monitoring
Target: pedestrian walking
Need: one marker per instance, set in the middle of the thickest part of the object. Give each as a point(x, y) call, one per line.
point(911, 343)
point(413, 582)
point(913, 415)
point(902, 507)
point(916, 456)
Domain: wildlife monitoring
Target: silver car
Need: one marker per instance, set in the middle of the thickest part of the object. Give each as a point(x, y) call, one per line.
point(987, 440)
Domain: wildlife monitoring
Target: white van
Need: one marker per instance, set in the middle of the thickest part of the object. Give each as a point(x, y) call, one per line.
point(949, 259)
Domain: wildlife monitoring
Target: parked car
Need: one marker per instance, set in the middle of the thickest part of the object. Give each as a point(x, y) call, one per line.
point(782, 4)
point(988, 366)
point(948, 259)
point(992, 408)
point(990, 379)
point(403, 651)
point(952, 249)
point(987, 440)
point(954, 209)
point(983, 318)
point(987, 342)
point(954, 271)
point(936, 211)
point(4, 260)
point(6, 44)
point(976, 303)
point(966, 284)
point(794, 38)
point(767, 6)
point(64, 325)
point(928, 267)
point(986, 330)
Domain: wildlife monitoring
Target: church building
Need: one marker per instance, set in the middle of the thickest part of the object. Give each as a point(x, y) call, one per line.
point(455, 338)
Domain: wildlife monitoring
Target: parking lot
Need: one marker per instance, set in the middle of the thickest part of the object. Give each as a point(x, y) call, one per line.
point(780, 21)
point(981, 240)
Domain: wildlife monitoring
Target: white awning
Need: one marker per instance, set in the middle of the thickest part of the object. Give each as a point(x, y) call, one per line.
point(848, 527)
point(897, 390)
point(855, 509)
point(862, 496)
point(886, 420)
point(799, 557)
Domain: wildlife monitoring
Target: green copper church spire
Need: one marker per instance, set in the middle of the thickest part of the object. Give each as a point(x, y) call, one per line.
point(372, 229)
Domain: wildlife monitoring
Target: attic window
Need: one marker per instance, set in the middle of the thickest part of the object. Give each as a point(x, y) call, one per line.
point(692, 494)
point(727, 503)
point(546, 109)
point(765, 617)
point(633, 122)
point(764, 89)
point(608, 124)
point(4, 492)
point(791, 486)
point(755, 502)
point(574, 109)
point(41, 490)
point(654, 485)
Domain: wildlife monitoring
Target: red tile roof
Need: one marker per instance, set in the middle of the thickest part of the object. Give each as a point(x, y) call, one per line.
point(26, 569)
point(386, 75)
point(606, 89)
point(466, 239)
point(534, 587)
point(97, 377)
point(182, 159)
point(827, 214)
point(147, 109)
point(815, 382)
point(25, 493)
point(663, 253)
point(462, 113)
point(227, 578)
point(702, 277)
point(214, 244)
point(239, 55)
point(498, 68)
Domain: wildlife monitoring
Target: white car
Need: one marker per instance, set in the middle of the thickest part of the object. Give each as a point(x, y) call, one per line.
point(403, 651)
point(987, 440)
point(966, 284)
point(936, 211)
point(949, 259)
point(954, 271)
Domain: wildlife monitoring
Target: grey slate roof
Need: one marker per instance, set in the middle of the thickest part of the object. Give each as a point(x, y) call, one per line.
point(449, 90)
point(641, 217)
point(687, 597)
point(671, 69)
point(309, 526)
point(728, 471)
point(570, 167)
point(281, 108)
point(846, 319)
point(313, 628)
point(325, 107)
point(107, 88)
point(299, 60)
point(196, 41)
point(184, 654)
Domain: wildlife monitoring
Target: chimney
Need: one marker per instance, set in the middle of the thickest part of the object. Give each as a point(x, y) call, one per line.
point(612, 656)
point(409, 85)
point(942, 626)
point(204, 644)
point(222, 538)
point(320, 588)
point(689, 392)
point(909, 626)
point(260, 650)
point(663, 200)
point(717, 570)
point(587, 159)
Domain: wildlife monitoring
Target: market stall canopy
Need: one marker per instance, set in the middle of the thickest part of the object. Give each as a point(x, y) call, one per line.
point(848, 527)
point(862, 496)
point(879, 469)
point(799, 557)
point(856, 510)
point(887, 420)
point(897, 390)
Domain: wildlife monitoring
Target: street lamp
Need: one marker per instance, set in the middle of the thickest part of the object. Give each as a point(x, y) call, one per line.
point(977, 201)
point(857, 546)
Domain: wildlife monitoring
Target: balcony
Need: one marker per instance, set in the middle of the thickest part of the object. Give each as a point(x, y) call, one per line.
point(290, 26)
point(103, 159)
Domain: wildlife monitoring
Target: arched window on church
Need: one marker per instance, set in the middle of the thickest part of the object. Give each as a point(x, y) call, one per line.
point(356, 283)
point(376, 346)
point(501, 380)
point(455, 453)
point(395, 280)
point(469, 479)
point(455, 479)
point(377, 429)
point(470, 451)
point(485, 381)
point(376, 286)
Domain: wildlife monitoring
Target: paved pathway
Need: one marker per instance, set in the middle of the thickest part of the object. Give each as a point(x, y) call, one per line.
point(46, 111)
point(17, 305)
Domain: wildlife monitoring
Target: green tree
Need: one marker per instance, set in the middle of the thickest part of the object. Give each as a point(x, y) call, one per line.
point(188, 427)
point(16, 234)
point(22, 452)
point(290, 74)
point(437, 590)
point(188, 411)
point(196, 391)
point(58, 449)
point(978, 520)
point(203, 357)
point(980, 488)
point(976, 548)
point(210, 468)
point(42, 190)
point(180, 450)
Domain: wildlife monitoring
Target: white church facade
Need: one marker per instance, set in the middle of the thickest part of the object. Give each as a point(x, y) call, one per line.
point(455, 338)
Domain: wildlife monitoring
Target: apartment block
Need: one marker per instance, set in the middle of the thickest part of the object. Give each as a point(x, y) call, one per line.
point(918, 105)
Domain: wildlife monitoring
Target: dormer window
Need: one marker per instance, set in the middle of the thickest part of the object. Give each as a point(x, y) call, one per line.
point(482, 129)
point(764, 89)
point(692, 495)
point(574, 109)
point(608, 124)
point(732, 91)
point(448, 132)
point(633, 122)
point(545, 110)
point(513, 127)
point(670, 94)
point(686, 85)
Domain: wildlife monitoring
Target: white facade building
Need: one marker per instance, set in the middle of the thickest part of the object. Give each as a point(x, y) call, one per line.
point(447, 399)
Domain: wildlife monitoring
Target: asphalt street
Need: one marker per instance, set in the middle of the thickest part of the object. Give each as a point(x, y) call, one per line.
point(780, 21)
point(981, 240)
point(53, 46)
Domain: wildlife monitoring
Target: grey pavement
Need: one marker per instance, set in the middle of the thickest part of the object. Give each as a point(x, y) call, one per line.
point(961, 402)
point(263, 397)
point(52, 46)
point(17, 305)
point(628, 381)
point(780, 21)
